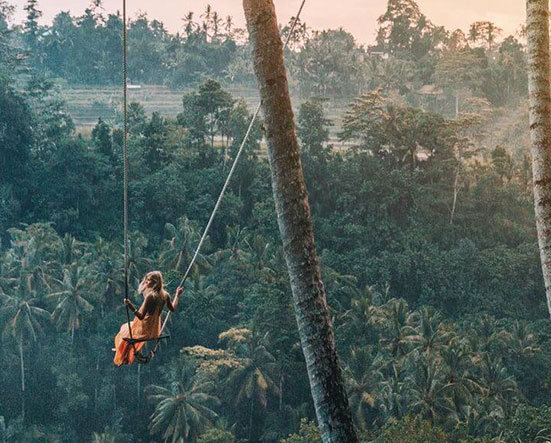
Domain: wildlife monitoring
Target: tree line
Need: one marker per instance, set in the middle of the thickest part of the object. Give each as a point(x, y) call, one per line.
point(410, 52)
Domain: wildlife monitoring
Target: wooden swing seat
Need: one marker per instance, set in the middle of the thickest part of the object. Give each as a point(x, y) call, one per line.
point(141, 340)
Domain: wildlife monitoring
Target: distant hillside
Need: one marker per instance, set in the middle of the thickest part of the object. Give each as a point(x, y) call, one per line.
point(88, 103)
point(509, 128)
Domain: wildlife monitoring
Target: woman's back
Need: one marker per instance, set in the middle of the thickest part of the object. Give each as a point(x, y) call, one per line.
point(150, 326)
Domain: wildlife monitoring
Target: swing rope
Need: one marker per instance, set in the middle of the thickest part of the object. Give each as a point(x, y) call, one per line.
point(139, 356)
point(220, 197)
point(125, 162)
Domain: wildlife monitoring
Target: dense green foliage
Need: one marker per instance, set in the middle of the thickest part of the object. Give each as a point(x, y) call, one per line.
point(426, 237)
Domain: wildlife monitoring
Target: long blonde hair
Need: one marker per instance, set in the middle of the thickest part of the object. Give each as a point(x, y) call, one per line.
point(156, 287)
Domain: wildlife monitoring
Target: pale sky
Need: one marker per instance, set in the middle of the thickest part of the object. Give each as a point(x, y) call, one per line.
point(356, 16)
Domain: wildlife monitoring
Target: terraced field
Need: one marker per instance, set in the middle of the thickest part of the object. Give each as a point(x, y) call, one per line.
point(87, 104)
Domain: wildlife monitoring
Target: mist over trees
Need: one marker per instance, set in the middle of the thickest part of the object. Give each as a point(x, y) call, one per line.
point(410, 52)
point(422, 206)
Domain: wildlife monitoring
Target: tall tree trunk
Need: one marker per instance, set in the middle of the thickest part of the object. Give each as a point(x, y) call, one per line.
point(251, 418)
point(22, 381)
point(179, 261)
point(537, 33)
point(455, 189)
point(96, 381)
point(280, 390)
point(293, 216)
point(457, 103)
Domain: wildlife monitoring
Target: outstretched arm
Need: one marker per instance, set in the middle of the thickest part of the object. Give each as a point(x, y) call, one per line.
point(172, 305)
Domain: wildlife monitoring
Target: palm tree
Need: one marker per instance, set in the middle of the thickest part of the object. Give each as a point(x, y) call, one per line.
point(22, 319)
point(393, 75)
point(182, 410)
point(104, 437)
point(487, 337)
point(253, 379)
point(474, 34)
point(228, 27)
point(8, 275)
point(237, 241)
point(207, 18)
point(178, 249)
point(363, 376)
point(492, 32)
point(299, 36)
point(430, 390)
point(70, 250)
point(71, 301)
point(394, 394)
point(108, 267)
point(537, 35)
point(458, 371)
point(295, 225)
point(495, 379)
point(430, 332)
point(24, 258)
point(216, 22)
point(205, 309)
point(365, 312)
point(521, 341)
point(237, 246)
point(189, 24)
point(262, 252)
point(482, 418)
point(138, 263)
point(399, 333)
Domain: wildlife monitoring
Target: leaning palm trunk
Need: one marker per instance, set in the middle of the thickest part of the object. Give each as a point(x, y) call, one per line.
point(293, 215)
point(537, 32)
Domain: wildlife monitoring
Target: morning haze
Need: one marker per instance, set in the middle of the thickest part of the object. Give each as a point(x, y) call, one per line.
point(357, 16)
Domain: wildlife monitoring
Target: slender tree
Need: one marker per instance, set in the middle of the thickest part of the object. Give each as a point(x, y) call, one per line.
point(22, 319)
point(31, 24)
point(537, 33)
point(363, 377)
point(178, 248)
point(295, 225)
point(254, 377)
point(72, 297)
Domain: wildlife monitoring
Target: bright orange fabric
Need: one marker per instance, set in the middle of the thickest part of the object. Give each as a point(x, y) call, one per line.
point(148, 328)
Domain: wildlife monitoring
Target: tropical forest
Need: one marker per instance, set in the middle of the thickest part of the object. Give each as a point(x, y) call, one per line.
point(376, 270)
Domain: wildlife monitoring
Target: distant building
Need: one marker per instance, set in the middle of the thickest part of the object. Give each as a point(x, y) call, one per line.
point(377, 54)
point(431, 90)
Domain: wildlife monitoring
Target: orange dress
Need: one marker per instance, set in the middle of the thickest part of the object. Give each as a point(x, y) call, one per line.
point(148, 328)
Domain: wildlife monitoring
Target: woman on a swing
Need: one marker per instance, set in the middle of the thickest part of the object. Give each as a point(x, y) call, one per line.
point(147, 324)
